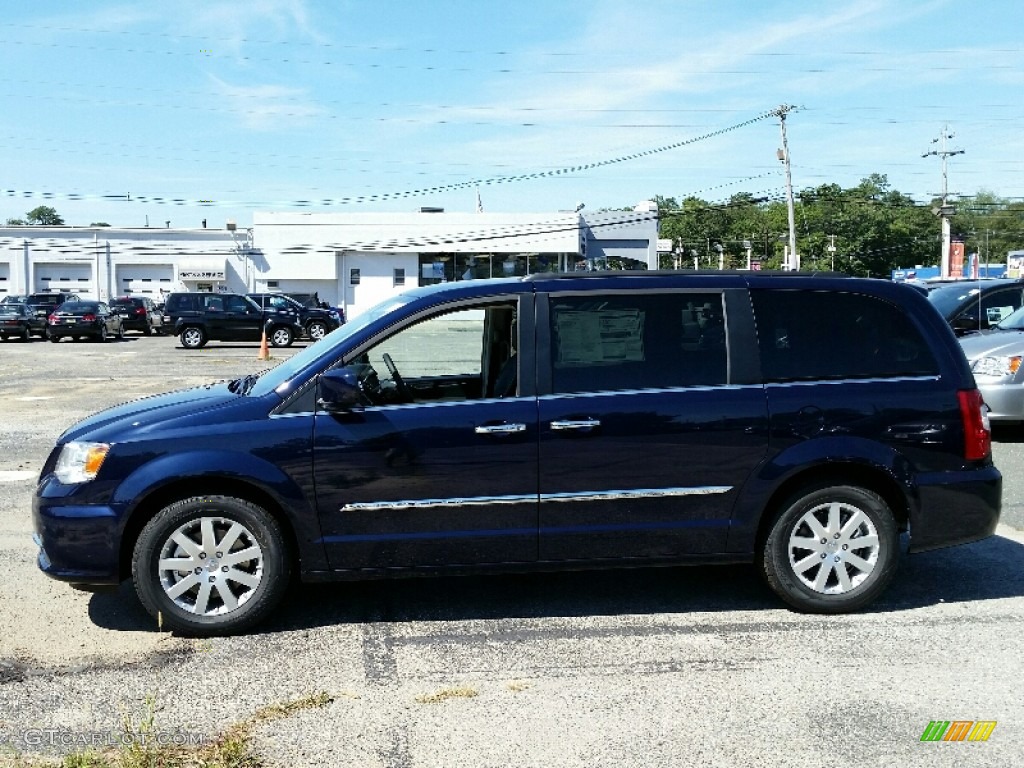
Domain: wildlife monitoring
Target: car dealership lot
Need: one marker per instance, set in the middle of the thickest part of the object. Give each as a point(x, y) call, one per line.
point(658, 666)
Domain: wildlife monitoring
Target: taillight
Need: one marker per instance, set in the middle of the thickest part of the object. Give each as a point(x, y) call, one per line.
point(52, 319)
point(977, 429)
point(140, 310)
point(90, 318)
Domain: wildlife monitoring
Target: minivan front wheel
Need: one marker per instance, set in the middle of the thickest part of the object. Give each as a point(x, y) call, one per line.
point(210, 565)
point(831, 549)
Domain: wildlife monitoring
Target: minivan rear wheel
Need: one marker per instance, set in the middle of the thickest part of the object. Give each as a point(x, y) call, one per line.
point(210, 565)
point(832, 549)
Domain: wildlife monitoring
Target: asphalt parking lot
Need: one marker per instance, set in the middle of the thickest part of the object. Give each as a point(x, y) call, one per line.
point(680, 666)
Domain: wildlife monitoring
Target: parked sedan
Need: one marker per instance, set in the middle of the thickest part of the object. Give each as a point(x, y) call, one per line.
point(18, 320)
point(84, 319)
point(996, 357)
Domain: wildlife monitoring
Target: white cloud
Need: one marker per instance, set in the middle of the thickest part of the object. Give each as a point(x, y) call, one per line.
point(268, 107)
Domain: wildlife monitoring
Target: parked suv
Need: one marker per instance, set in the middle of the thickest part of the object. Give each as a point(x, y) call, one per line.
point(43, 304)
point(315, 321)
point(138, 313)
point(798, 422)
point(201, 317)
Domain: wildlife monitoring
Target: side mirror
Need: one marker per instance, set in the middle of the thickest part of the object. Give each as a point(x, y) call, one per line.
point(339, 390)
point(966, 323)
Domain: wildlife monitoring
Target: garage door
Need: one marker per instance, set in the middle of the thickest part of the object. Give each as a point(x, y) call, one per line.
point(143, 279)
point(63, 276)
point(5, 279)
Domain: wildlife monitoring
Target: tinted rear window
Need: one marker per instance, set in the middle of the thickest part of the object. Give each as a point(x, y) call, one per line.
point(625, 342)
point(807, 335)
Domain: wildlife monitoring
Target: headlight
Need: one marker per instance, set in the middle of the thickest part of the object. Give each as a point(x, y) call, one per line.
point(79, 462)
point(997, 366)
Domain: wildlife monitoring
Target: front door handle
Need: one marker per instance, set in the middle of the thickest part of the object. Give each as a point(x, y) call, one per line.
point(500, 429)
point(561, 426)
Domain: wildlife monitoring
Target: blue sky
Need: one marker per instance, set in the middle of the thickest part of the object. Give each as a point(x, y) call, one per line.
point(388, 106)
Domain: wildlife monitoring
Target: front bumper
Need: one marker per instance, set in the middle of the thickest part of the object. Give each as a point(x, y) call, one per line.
point(955, 508)
point(1005, 401)
point(77, 543)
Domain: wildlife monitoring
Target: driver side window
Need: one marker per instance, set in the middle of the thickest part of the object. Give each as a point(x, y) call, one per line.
point(463, 354)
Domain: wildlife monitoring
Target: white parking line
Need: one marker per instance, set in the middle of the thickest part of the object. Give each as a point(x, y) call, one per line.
point(14, 475)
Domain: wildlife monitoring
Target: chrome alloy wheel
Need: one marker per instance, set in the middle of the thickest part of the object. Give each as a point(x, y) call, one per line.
point(210, 566)
point(833, 548)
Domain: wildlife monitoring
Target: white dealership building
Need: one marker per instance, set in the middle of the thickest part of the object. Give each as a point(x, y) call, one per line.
point(352, 260)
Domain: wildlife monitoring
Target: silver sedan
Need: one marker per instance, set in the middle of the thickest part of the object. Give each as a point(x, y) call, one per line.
point(996, 357)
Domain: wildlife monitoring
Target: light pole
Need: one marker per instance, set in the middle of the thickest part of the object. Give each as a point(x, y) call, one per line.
point(794, 259)
point(944, 211)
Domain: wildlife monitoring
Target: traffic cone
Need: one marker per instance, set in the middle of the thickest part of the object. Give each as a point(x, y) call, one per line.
point(264, 349)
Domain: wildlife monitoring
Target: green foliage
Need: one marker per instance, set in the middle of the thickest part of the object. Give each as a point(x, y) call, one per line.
point(15, 223)
point(873, 227)
point(44, 215)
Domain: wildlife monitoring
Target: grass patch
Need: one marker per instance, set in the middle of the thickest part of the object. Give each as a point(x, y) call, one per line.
point(140, 748)
point(465, 692)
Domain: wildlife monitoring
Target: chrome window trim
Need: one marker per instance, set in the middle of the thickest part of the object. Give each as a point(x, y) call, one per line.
point(652, 390)
point(472, 501)
point(872, 380)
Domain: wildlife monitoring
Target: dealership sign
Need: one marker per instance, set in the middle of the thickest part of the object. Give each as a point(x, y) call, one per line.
point(201, 274)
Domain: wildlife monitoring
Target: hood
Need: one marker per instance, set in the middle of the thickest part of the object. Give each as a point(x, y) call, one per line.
point(134, 418)
point(991, 344)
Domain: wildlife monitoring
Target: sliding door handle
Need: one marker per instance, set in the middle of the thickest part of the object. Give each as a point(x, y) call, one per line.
point(561, 426)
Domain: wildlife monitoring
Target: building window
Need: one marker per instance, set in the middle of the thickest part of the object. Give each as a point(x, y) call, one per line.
point(399, 278)
point(353, 277)
point(271, 283)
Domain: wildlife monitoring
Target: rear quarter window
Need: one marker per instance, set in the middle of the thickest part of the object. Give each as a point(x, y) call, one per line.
point(807, 335)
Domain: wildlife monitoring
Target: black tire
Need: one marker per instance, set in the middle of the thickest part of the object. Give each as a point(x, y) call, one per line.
point(26, 335)
point(54, 339)
point(148, 330)
point(101, 337)
point(193, 337)
point(180, 598)
point(120, 332)
point(816, 566)
point(317, 329)
point(281, 336)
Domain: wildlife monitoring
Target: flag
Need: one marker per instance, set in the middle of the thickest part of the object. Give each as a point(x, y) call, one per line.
point(479, 202)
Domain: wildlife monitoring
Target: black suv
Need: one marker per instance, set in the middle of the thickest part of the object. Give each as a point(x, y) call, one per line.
point(798, 422)
point(316, 322)
point(43, 304)
point(201, 317)
point(138, 313)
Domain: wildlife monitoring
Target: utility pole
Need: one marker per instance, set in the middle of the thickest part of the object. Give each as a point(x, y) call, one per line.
point(945, 211)
point(793, 260)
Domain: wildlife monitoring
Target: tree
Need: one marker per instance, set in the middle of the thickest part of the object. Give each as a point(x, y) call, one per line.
point(44, 215)
point(99, 224)
point(15, 222)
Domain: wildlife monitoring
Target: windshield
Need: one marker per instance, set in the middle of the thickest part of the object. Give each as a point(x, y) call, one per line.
point(949, 297)
point(1012, 322)
point(325, 348)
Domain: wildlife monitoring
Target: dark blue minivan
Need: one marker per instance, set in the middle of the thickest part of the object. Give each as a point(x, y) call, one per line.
point(801, 422)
